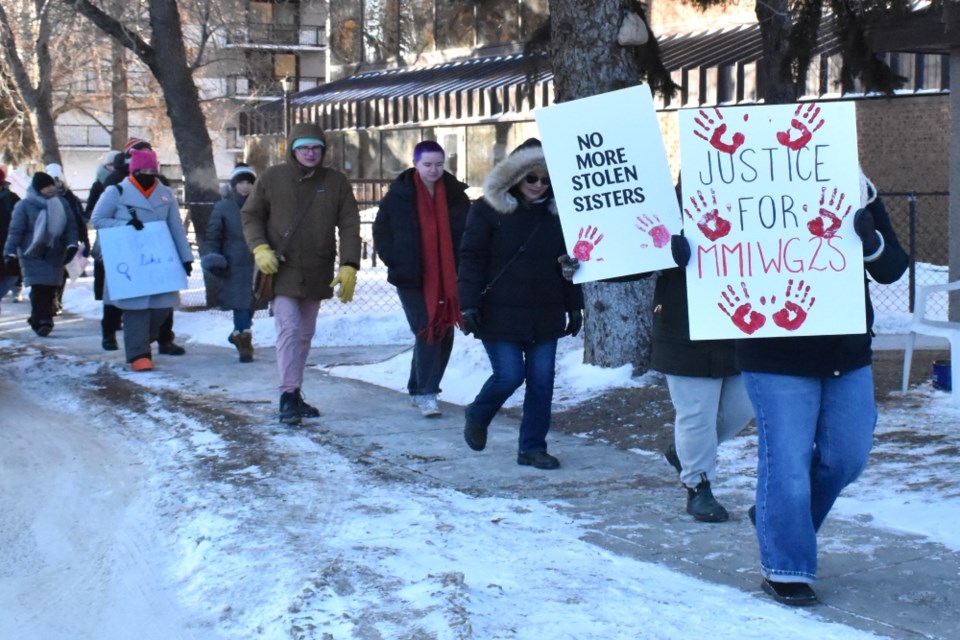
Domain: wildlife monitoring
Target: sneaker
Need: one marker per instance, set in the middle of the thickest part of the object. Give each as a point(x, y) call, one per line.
point(538, 459)
point(794, 594)
point(142, 364)
point(171, 349)
point(290, 408)
point(428, 405)
point(703, 506)
point(306, 410)
point(670, 453)
point(475, 434)
point(18, 294)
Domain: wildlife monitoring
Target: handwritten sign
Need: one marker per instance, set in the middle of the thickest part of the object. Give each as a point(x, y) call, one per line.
point(612, 182)
point(141, 263)
point(769, 197)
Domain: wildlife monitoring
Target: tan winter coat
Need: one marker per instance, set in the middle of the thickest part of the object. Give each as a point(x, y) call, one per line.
point(278, 195)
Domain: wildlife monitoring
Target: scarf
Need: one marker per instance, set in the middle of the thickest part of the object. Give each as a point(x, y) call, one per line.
point(436, 258)
point(49, 226)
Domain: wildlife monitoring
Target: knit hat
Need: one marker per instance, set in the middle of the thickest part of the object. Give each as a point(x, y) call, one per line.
point(302, 142)
point(141, 159)
point(242, 172)
point(41, 181)
point(55, 171)
point(135, 143)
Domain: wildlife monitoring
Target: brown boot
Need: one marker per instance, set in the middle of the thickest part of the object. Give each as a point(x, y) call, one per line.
point(243, 341)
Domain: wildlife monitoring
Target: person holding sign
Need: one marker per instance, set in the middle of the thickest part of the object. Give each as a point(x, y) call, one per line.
point(515, 299)
point(813, 398)
point(417, 232)
point(43, 237)
point(291, 223)
point(138, 199)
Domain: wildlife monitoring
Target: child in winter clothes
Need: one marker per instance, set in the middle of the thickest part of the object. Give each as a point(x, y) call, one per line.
point(43, 237)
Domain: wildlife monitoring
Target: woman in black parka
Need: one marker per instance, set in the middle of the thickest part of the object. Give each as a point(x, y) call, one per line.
point(515, 299)
point(416, 233)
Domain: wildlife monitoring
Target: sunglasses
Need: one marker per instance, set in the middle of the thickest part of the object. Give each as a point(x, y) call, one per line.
point(545, 180)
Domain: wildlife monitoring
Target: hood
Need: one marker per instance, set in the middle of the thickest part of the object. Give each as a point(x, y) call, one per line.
point(510, 170)
point(305, 130)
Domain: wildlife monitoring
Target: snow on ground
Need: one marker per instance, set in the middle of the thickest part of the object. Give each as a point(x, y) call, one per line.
point(326, 551)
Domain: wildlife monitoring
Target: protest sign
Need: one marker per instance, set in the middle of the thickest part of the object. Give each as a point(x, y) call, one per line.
point(612, 182)
point(769, 197)
point(140, 263)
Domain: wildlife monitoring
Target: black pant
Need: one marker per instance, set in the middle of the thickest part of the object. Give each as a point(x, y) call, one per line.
point(41, 305)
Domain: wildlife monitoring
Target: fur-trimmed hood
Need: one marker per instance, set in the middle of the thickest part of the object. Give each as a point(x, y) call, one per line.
point(510, 171)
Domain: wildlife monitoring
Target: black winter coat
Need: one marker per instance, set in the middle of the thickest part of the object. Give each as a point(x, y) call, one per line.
point(396, 229)
point(530, 299)
point(8, 199)
point(224, 236)
point(824, 356)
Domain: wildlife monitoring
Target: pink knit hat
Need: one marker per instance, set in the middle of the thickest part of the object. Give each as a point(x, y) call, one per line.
point(141, 159)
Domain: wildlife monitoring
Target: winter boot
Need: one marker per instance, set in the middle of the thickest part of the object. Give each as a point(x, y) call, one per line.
point(243, 341)
point(171, 348)
point(703, 506)
point(109, 342)
point(475, 434)
point(306, 410)
point(290, 407)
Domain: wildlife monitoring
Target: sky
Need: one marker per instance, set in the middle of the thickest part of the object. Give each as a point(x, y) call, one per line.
point(399, 560)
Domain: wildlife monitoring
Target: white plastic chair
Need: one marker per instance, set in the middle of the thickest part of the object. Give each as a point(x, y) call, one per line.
point(925, 326)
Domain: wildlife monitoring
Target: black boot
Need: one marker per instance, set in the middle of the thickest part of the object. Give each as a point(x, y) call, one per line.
point(290, 408)
point(475, 434)
point(306, 410)
point(109, 342)
point(703, 506)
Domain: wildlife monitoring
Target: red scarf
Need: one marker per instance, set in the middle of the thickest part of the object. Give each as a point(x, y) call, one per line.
point(436, 258)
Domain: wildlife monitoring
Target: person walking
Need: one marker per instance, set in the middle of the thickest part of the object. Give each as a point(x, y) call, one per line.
point(813, 398)
point(416, 233)
point(224, 254)
point(111, 319)
point(138, 199)
point(55, 171)
point(9, 275)
point(43, 238)
point(291, 223)
point(515, 298)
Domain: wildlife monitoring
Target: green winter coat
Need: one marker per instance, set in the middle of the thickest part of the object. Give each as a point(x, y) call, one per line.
point(278, 196)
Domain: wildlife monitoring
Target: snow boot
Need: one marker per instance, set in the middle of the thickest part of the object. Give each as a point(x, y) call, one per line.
point(703, 506)
point(290, 407)
point(306, 410)
point(243, 341)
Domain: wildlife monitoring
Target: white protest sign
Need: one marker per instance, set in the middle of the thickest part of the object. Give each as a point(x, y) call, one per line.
point(141, 263)
point(612, 182)
point(769, 197)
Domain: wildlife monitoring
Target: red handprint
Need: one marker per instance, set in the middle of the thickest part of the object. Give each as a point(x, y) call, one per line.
point(831, 214)
point(804, 129)
point(794, 311)
point(716, 128)
point(710, 224)
point(657, 231)
point(587, 243)
point(741, 312)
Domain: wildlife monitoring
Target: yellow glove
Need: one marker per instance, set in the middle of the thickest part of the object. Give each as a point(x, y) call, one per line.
point(266, 259)
point(348, 282)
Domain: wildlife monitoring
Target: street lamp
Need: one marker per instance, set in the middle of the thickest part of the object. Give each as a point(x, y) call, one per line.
point(288, 86)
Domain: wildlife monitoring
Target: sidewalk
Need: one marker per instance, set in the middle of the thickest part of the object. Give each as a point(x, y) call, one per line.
point(895, 585)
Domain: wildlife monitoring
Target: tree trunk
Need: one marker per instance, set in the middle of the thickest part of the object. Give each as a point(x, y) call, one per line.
point(119, 89)
point(586, 61)
point(183, 108)
point(775, 86)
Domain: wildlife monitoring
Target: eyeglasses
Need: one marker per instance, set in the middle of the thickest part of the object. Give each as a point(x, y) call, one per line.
point(312, 149)
point(544, 180)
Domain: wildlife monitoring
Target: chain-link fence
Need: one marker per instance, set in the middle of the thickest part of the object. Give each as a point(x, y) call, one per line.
point(921, 220)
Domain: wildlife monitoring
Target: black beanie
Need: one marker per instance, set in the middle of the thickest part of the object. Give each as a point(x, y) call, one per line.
point(41, 181)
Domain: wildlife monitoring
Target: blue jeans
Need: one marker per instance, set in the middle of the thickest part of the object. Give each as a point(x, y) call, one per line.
point(514, 363)
point(242, 319)
point(815, 435)
point(430, 359)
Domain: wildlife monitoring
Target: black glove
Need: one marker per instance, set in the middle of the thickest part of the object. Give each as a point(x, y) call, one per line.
point(135, 223)
point(188, 267)
point(864, 226)
point(68, 256)
point(680, 250)
point(10, 263)
point(470, 321)
point(568, 265)
point(86, 250)
point(574, 322)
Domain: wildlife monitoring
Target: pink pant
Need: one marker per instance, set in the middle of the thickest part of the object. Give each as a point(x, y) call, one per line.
point(296, 322)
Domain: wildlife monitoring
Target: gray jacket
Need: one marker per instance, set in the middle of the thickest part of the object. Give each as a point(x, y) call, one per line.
point(41, 270)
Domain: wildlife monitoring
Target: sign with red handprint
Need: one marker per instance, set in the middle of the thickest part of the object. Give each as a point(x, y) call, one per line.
point(612, 182)
point(768, 200)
